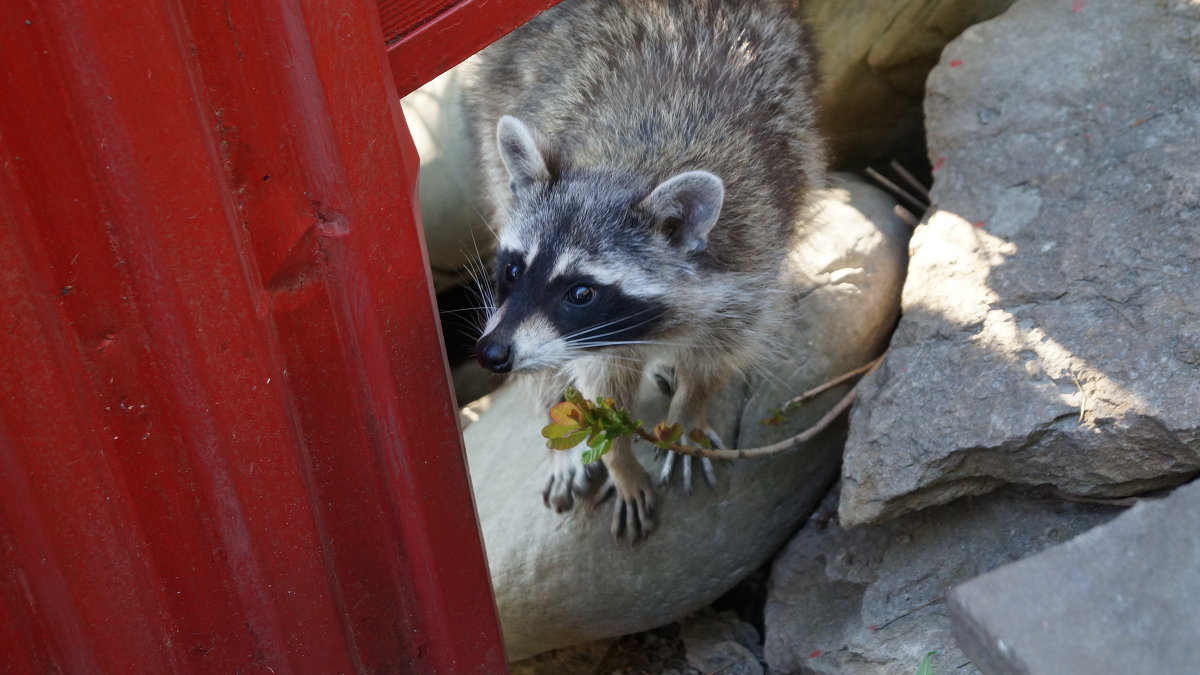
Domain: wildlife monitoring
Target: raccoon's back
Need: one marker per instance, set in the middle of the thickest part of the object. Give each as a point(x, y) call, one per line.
point(657, 87)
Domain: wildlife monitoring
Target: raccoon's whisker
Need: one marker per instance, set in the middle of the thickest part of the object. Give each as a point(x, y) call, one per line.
point(463, 310)
point(480, 276)
point(601, 355)
point(480, 295)
point(590, 329)
point(481, 286)
point(619, 362)
point(614, 332)
point(615, 343)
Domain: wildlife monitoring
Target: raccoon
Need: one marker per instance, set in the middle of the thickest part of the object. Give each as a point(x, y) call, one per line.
point(648, 164)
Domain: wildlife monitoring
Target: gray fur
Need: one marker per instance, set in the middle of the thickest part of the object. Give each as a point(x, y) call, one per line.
point(672, 142)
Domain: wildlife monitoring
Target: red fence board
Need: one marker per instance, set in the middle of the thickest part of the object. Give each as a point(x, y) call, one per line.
point(227, 442)
point(400, 17)
point(420, 50)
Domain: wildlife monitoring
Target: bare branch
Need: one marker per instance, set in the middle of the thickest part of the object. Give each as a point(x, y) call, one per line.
point(790, 443)
point(765, 450)
point(826, 386)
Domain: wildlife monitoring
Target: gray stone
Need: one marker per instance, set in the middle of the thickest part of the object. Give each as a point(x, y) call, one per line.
point(722, 643)
point(874, 58)
point(1053, 296)
point(872, 600)
point(1119, 599)
point(560, 579)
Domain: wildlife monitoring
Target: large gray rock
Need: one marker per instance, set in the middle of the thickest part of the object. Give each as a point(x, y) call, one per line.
point(874, 57)
point(872, 600)
point(560, 579)
point(1052, 307)
point(1118, 599)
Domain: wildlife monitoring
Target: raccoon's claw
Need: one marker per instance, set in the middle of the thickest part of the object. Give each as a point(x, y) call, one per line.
point(668, 469)
point(568, 479)
point(714, 439)
point(633, 512)
point(710, 476)
point(706, 465)
point(558, 495)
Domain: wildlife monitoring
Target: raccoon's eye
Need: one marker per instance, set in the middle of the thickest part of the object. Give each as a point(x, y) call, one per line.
point(512, 272)
point(581, 294)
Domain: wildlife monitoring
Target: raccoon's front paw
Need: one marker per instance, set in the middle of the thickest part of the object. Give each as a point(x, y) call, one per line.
point(633, 509)
point(569, 478)
point(706, 465)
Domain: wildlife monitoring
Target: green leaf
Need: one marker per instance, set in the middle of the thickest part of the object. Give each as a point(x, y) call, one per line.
point(558, 430)
point(700, 438)
point(567, 442)
point(926, 667)
point(676, 433)
point(596, 453)
point(598, 439)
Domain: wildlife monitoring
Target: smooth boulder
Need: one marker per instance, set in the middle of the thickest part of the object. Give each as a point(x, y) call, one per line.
point(561, 580)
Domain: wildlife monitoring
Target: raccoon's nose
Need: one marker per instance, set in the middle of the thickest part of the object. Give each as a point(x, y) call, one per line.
point(495, 356)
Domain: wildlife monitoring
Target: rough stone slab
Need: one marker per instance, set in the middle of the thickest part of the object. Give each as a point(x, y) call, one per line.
point(1122, 598)
point(1051, 328)
point(560, 579)
point(874, 57)
point(871, 600)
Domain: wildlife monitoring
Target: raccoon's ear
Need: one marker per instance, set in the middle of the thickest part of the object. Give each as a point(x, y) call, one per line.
point(525, 162)
point(686, 207)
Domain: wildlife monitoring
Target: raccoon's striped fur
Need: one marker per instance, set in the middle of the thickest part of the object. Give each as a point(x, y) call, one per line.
point(648, 164)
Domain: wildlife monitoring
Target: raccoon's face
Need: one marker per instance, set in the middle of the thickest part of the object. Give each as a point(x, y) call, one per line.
point(556, 300)
point(587, 261)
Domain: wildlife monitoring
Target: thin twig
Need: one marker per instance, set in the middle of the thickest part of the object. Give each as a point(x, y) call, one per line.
point(896, 189)
point(905, 215)
point(908, 178)
point(786, 444)
point(821, 388)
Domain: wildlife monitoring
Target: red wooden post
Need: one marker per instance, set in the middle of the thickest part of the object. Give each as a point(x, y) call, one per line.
point(227, 442)
point(428, 37)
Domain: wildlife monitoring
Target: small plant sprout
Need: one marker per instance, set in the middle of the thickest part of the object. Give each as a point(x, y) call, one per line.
point(577, 419)
point(926, 667)
point(598, 423)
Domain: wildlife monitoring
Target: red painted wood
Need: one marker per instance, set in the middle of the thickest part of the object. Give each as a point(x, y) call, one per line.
point(437, 43)
point(227, 441)
point(400, 17)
